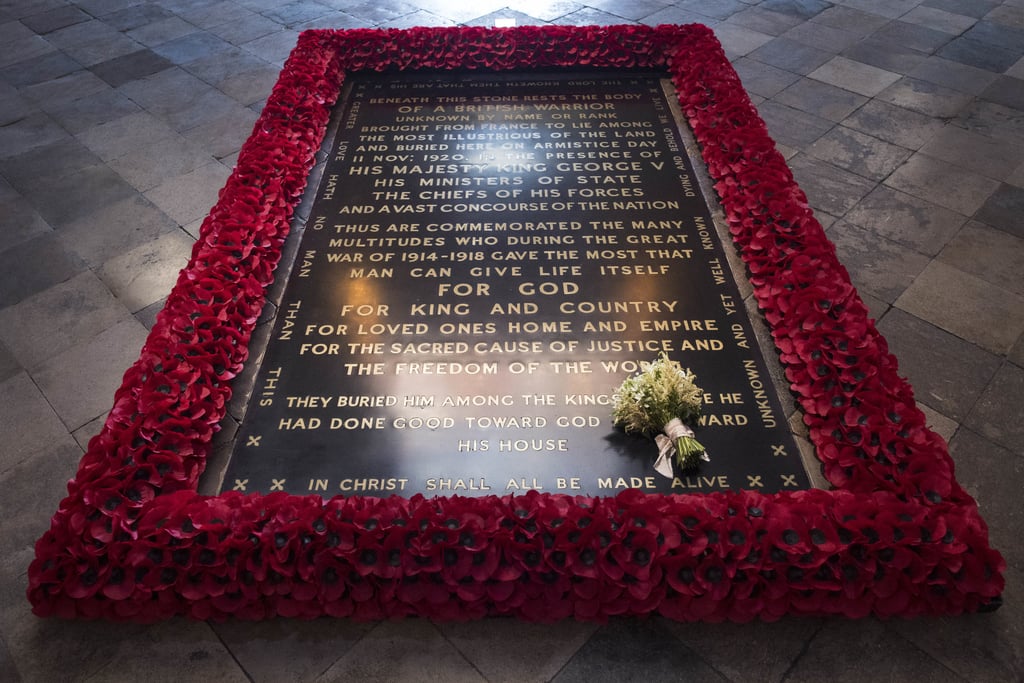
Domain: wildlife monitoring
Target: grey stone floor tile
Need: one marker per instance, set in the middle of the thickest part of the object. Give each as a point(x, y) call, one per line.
point(586, 16)
point(981, 154)
point(829, 188)
point(13, 107)
point(254, 86)
point(179, 98)
point(219, 67)
point(935, 181)
point(147, 316)
point(54, 19)
point(101, 235)
point(92, 110)
point(27, 131)
point(764, 21)
point(862, 79)
point(294, 13)
point(275, 47)
point(21, 49)
point(121, 136)
point(172, 651)
point(245, 30)
point(820, 99)
point(1007, 91)
point(19, 222)
point(850, 19)
point(803, 9)
point(7, 670)
point(9, 366)
point(994, 120)
point(30, 424)
point(905, 219)
point(792, 127)
point(32, 71)
point(284, 650)
point(177, 157)
point(865, 650)
point(854, 151)
point(161, 31)
point(925, 97)
point(146, 274)
point(66, 155)
point(82, 33)
point(790, 55)
point(997, 34)
point(993, 475)
point(63, 316)
point(528, 652)
point(136, 15)
point(35, 265)
point(982, 648)
point(822, 36)
point(979, 54)
point(493, 18)
point(922, 347)
point(758, 651)
point(996, 416)
point(877, 266)
point(1004, 209)
point(189, 196)
point(885, 55)
point(53, 93)
point(1017, 70)
point(191, 47)
point(940, 424)
point(84, 434)
point(636, 650)
point(1017, 353)
point(939, 20)
point(886, 8)
point(1009, 14)
point(716, 9)
point(971, 8)
point(61, 199)
point(204, 15)
point(914, 36)
point(138, 64)
point(80, 382)
point(967, 306)
point(224, 135)
point(738, 41)
point(103, 49)
point(410, 650)
point(961, 77)
point(25, 510)
point(992, 255)
point(381, 12)
point(763, 79)
point(634, 11)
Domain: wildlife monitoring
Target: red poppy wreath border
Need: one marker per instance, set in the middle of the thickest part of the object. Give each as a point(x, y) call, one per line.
point(897, 535)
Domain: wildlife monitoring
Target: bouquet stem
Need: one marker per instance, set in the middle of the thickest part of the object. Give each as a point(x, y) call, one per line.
point(688, 452)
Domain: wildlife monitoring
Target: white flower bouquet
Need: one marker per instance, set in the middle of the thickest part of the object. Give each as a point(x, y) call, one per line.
point(660, 400)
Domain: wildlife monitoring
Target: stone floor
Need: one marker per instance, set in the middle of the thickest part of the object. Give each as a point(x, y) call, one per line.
point(120, 120)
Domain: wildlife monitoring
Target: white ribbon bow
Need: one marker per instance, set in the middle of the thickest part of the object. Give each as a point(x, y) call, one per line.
point(667, 446)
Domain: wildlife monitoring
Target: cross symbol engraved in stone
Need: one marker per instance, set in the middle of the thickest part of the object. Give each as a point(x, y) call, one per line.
point(789, 480)
point(754, 480)
point(779, 450)
point(254, 441)
point(277, 485)
point(240, 484)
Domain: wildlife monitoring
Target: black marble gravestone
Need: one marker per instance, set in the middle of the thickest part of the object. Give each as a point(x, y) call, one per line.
point(487, 258)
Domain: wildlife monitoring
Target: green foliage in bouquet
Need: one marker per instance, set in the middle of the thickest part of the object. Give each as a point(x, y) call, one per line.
point(661, 399)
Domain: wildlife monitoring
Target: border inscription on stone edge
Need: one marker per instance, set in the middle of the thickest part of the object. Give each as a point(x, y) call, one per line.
point(487, 257)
